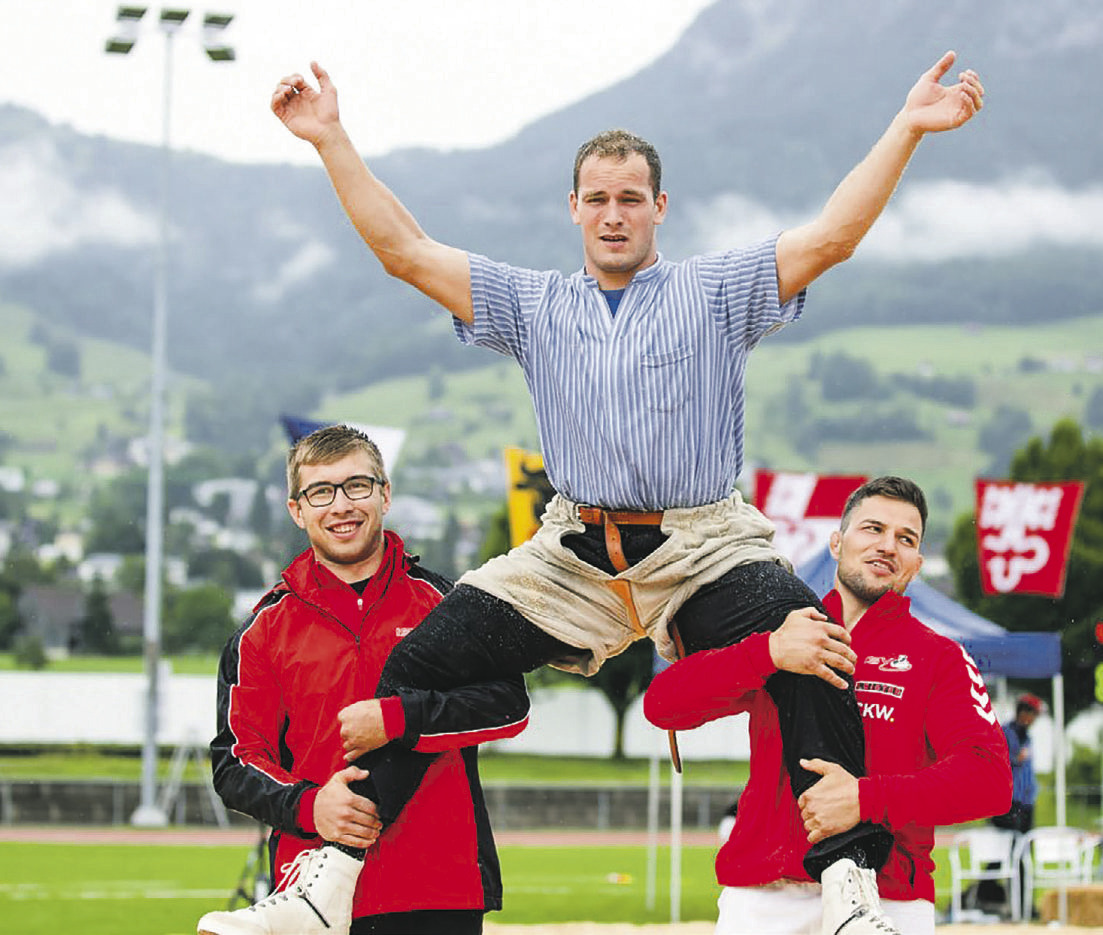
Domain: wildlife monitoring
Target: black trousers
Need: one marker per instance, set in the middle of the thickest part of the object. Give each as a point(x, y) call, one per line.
point(463, 668)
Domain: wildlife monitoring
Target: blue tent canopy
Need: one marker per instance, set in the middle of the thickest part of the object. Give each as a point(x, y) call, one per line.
point(995, 650)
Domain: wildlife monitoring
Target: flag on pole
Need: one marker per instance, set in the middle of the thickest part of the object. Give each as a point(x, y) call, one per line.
point(1024, 534)
point(804, 508)
point(529, 492)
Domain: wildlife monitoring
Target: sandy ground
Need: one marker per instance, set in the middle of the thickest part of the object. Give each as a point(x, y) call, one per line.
point(705, 928)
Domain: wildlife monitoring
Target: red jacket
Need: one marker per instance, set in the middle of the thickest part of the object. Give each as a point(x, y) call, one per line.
point(312, 647)
point(935, 754)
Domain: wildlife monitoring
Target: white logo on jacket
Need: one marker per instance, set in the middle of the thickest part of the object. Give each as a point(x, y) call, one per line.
point(874, 711)
point(899, 663)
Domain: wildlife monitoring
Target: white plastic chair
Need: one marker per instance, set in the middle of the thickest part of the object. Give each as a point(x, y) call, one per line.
point(1054, 857)
point(990, 856)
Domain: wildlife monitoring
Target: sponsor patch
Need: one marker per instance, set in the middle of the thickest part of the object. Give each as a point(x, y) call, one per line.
point(403, 631)
point(872, 711)
point(881, 688)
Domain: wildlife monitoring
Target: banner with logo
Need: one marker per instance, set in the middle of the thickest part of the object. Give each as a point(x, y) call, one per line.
point(1024, 533)
point(805, 508)
point(529, 492)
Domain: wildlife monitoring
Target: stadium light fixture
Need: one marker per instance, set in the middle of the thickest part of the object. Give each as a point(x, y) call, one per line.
point(149, 812)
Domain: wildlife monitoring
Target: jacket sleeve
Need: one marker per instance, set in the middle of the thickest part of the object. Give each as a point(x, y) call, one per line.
point(464, 716)
point(709, 684)
point(970, 777)
point(245, 753)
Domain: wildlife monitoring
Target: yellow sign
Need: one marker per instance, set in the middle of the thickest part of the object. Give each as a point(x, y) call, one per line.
point(529, 492)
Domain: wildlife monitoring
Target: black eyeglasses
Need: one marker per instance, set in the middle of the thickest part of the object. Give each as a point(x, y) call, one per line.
point(358, 487)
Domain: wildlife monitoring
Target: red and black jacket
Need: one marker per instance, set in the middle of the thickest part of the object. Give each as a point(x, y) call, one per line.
point(313, 646)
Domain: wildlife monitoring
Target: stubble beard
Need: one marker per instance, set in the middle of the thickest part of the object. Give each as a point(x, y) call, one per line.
point(868, 594)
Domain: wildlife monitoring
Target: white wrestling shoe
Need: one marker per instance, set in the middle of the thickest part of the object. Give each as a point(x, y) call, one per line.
point(315, 897)
point(851, 905)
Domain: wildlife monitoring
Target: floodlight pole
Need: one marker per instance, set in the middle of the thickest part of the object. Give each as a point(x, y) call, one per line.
point(149, 812)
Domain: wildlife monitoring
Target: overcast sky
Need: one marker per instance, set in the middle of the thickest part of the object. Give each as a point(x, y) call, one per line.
point(410, 72)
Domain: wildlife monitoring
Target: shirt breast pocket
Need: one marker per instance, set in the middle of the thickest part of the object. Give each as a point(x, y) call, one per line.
point(665, 378)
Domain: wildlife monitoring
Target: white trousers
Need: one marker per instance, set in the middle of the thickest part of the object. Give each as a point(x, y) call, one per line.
point(795, 909)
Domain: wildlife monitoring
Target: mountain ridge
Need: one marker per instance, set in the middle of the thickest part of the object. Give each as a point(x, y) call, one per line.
point(759, 109)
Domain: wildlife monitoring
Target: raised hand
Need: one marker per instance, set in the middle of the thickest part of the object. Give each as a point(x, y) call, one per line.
point(932, 106)
point(306, 112)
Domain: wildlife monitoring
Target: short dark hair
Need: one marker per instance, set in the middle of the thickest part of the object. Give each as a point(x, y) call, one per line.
point(620, 144)
point(1028, 702)
point(327, 445)
point(895, 488)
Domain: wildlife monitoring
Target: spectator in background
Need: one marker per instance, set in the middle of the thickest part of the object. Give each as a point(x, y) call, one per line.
point(1024, 790)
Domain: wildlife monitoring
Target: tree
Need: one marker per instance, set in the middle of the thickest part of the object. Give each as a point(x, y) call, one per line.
point(117, 515)
point(10, 621)
point(1066, 456)
point(63, 357)
point(260, 512)
point(225, 567)
point(842, 376)
point(496, 536)
point(98, 634)
point(1093, 411)
point(198, 618)
point(1008, 428)
point(622, 679)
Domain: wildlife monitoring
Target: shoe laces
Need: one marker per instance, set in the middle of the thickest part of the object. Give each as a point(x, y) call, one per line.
point(860, 892)
point(293, 872)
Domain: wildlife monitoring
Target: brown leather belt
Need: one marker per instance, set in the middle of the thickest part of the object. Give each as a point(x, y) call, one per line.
point(596, 516)
point(609, 520)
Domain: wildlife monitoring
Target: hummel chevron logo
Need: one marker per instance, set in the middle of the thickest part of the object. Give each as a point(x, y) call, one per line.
point(983, 704)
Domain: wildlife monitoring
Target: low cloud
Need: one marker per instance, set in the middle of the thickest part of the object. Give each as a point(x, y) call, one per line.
point(936, 221)
point(45, 213)
point(306, 257)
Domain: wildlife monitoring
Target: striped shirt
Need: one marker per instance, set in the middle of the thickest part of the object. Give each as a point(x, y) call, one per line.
point(642, 410)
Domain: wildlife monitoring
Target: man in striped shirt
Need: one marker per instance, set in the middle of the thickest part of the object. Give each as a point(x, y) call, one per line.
point(635, 365)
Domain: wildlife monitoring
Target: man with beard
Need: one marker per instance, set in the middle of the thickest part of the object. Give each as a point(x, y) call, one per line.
point(935, 754)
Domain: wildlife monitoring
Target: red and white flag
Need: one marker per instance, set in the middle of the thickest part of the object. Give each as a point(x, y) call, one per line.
point(1024, 533)
point(805, 508)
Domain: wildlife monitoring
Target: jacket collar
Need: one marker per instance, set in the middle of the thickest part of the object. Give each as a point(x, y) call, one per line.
point(312, 581)
point(888, 607)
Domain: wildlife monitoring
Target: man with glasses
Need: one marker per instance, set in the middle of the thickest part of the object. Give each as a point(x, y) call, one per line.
point(635, 366)
point(315, 644)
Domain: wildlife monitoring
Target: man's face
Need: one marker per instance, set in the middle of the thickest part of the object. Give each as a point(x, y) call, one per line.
point(347, 535)
point(618, 214)
point(879, 549)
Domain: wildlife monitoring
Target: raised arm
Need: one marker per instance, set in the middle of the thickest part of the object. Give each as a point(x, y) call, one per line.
point(805, 252)
point(404, 249)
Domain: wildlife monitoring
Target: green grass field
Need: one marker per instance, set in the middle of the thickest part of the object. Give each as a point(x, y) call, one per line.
point(162, 890)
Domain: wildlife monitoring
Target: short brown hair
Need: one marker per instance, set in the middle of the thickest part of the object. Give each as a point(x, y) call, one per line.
point(327, 445)
point(620, 144)
point(892, 487)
